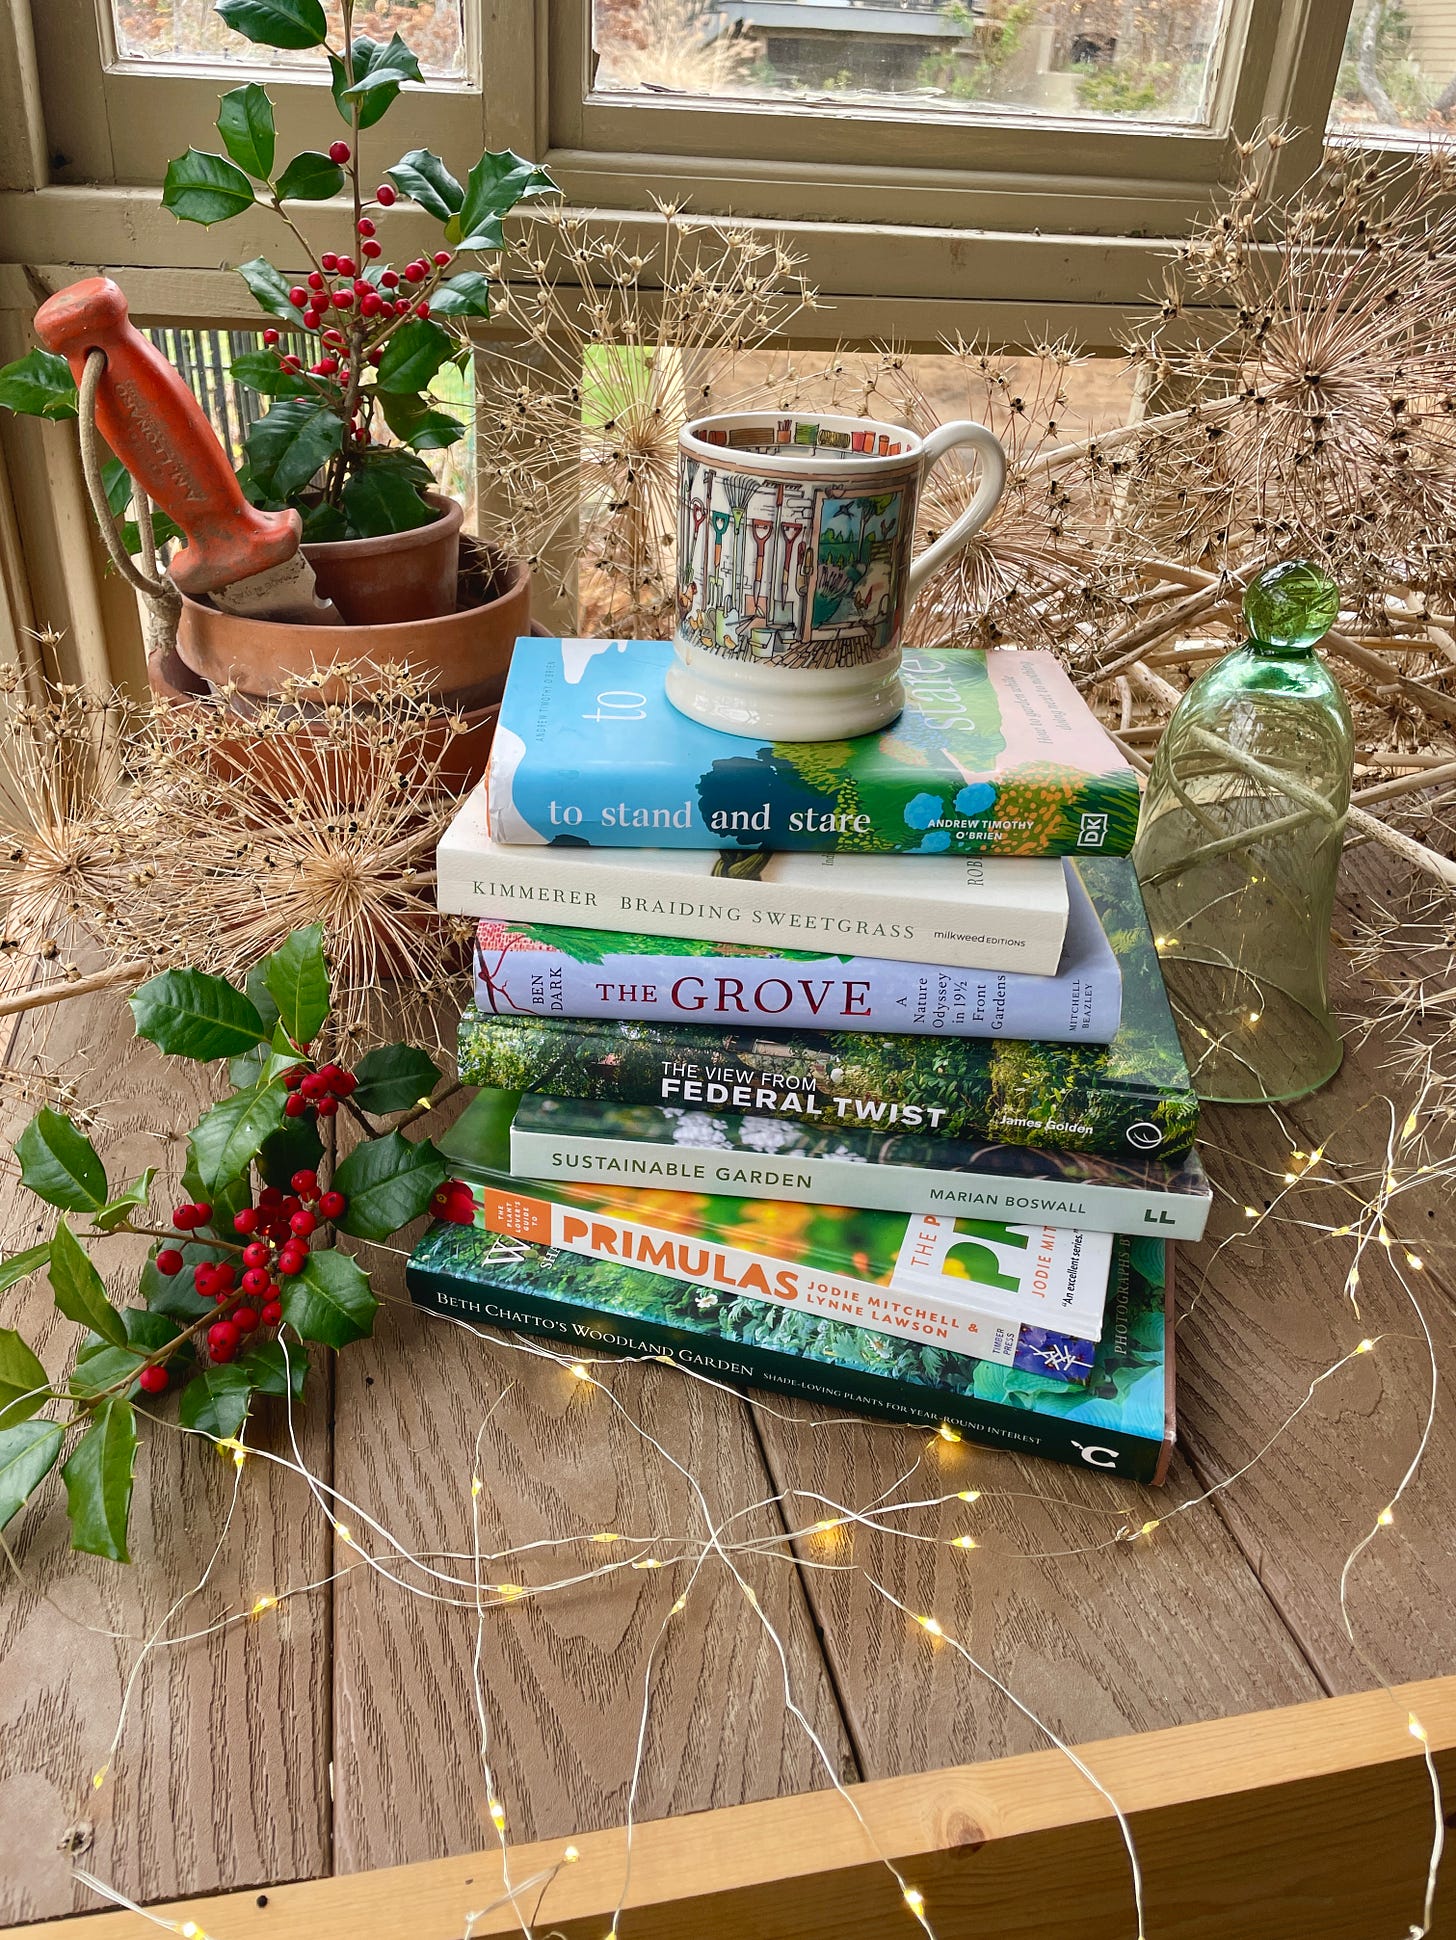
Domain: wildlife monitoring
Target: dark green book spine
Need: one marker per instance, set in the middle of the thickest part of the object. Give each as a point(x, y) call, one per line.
point(517, 1300)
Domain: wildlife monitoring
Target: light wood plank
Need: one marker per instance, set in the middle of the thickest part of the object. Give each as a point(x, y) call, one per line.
point(221, 1778)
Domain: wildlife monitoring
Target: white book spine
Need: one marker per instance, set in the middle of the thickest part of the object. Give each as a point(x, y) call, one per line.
point(829, 1181)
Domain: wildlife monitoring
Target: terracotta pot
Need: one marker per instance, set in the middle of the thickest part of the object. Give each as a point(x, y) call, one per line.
point(397, 576)
point(465, 650)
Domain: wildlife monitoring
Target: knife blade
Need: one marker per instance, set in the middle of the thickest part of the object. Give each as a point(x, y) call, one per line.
point(244, 560)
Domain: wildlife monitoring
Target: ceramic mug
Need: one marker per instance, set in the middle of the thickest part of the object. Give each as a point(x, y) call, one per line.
point(795, 567)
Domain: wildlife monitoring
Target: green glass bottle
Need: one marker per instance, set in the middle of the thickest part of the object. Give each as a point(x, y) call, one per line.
point(1239, 846)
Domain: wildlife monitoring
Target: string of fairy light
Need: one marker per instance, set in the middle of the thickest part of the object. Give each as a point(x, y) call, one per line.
point(473, 1580)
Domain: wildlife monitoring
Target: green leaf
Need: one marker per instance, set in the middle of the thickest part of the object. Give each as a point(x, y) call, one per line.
point(189, 1014)
point(388, 1182)
point(225, 1142)
point(28, 1453)
point(99, 1365)
point(379, 68)
point(256, 985)
point(269, 288)
point(466, 295)
point(174, 1293)
point(116, 481)
point(79, 1290)
point(216, 1401)
point(412, 356)
point(20, 1266)
point(24, 1383)
point(496, 184)
point(323, 523)
point(424, 178)
point(163, 529)
point(418, 423)
point(268, 1371)
point(330, 1301)
point(248, 1067)
point(294, 1147)
point(382, 501)
point(39, 385)
point(277, 23)
point(205, 188)
point(245, 122)
point(310, 177)
point(393, 1078)
point(98, 1477)
point(394, 458)
point(261, 371)
point(134, 1199)
point(60, 1164)
point(293, 442)
point(298, 982)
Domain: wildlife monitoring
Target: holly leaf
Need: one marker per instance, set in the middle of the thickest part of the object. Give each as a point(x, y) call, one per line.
point(100, 1365)
point(310, 177)
point(79, 1290)
point(216, 1401)
point(227, 1197)
point(20, 1266)
point(60, 1164)
point(39, 385)
point(245, 122)
point(268, 288)
point(394, 458)
point(412, 356)
point(297, 978)
point(424, 178)
point(324, 523)
point(225, 1142)
point(261, 371)
point(418, 423)
point(294, 1147)
point(379, 69)
point(288, 446)
point(494, 187)
point(256, 985)
point(28, 1453)
point(134, 1199)
point(277, 23)
point(466, 295)
point(393, 1078)
point(189, 1014)
point(174, 1293)
point(24, 1383)
point(269, 1372)
point(330, 1300)
point(378, 501)
point(205, 188)
point(388, 1182)
point(98, 1476)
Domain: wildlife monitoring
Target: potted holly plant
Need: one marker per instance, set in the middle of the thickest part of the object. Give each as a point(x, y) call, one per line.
point(353, 342)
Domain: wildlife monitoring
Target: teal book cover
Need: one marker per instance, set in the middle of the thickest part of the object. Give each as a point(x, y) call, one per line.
point(995, 754)
point(1132, 1098)
point(1119, 1421)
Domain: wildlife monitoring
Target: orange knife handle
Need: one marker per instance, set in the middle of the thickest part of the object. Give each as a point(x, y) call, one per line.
point(159, 431)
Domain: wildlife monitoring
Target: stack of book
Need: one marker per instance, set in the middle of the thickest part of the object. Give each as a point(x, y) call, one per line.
point(843, 1069)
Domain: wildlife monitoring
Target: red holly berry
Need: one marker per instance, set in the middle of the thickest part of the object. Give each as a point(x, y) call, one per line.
point(303, 1223)
point(298, 296)
point(255, 1280)
point(255, 1253)
point(314, 1085)
point(454, 1202)
point(327, 1107)
point(222, 1340)
point(365, 225)
point(270, 1198)
point(345, 1085)
point(343, 299)
point(293, 363)
point(323, 368)
point(202, 1278)
point(386, 195)
point(422, 309)
point(186, 1216)
point(305, 1183)
point(442, 257)
point(152, 1380)
point(290, 1261)
point(295, 1104)
point(370, 248)
point(401, 308)
point(415, 272)
point(169, 1261)
point(224, 1274)
point(245, 1221)
point(315, 279)
point(221, 1295)
point(389, 278)
point(271, 339)
point(339, 152)
point(329, 260)
point(293, 1077)
point(376, 358)
point(371, 305)
point(245, 1319)
point(347, 266)
point(332, 1204)
point(272, 1313)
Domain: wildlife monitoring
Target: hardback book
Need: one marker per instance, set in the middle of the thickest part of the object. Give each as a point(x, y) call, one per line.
point(525, 969)
point(1030, 1296)
point(1120, 1421)
point(995, 754)
point(1130, 1099)
point(674, 1149)
point(964, 910)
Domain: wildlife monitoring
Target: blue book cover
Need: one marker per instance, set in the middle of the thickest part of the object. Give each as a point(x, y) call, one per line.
point(995, 754)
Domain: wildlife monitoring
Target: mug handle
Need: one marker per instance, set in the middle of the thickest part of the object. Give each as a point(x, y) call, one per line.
point(988, 495)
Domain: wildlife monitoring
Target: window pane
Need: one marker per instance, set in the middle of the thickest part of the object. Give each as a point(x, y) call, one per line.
point(1147, 60)
point(1399, 69)
point(188, 32)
